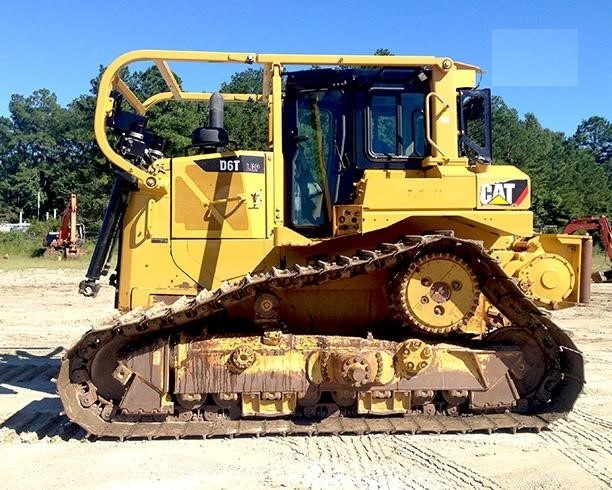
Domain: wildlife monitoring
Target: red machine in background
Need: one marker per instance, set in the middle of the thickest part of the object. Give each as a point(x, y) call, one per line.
point(602, 225)
point(70, 238)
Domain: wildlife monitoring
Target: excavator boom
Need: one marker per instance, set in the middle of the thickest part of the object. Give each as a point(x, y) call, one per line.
point(600, 224)
point(70, 238)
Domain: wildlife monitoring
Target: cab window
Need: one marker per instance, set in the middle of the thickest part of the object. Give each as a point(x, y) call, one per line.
point(395, 125)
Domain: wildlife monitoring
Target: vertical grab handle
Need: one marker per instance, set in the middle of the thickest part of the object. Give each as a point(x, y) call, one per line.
point(428, 120)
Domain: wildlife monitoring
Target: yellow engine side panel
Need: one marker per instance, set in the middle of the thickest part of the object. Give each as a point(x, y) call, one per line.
point(145, 260)
point(221, 207)
point(399, 190)
point(492, 206)
point(219, 195)
point(213, 226)
point(210, 262)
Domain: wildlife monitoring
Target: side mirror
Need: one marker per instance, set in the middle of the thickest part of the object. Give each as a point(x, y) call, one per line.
point(475, 125)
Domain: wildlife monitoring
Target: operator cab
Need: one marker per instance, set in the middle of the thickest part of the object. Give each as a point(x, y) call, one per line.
point(340, 122)
point(337, 123)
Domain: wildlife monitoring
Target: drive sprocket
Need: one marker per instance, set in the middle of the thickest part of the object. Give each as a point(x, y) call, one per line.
point(438, 293)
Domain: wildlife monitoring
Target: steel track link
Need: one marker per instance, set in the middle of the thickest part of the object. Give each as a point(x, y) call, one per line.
point(553, 400)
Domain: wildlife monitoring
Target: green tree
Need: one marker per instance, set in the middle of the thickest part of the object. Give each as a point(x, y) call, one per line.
point(566, 179)
point(84, 171)
point(172, 120)
point(48, 152)
point(247, 122)
point(6, 129)
point(383, 52)
point(33, 146)
point(507, 132)
point(595, 136)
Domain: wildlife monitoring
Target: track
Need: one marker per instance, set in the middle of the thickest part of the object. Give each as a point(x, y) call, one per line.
point(552, 400)
point(531, 460)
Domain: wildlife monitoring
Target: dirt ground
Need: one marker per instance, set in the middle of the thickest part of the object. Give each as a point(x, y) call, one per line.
point(41, 314)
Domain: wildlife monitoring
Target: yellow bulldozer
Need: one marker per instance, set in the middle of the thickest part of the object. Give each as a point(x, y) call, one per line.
point(371, 271)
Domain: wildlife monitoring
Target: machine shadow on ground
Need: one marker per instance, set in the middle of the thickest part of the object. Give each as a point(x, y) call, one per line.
point(35, 373)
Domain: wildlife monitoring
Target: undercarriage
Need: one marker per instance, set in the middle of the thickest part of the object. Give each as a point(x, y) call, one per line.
point(203, 367)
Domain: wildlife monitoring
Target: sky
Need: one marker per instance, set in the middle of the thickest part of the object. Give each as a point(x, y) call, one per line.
point(546, 57)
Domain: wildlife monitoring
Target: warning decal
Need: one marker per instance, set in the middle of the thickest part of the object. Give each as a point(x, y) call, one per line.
point(506, 193)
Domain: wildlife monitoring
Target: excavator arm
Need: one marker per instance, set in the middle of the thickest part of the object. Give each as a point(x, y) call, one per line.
point(67, 232)
point(70, 236)
point(602, 225)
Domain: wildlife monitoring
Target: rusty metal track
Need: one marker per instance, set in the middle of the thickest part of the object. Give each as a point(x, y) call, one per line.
point(552, 400)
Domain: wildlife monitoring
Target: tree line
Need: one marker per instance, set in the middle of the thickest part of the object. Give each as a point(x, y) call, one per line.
point(571, 175)
point(48, 151)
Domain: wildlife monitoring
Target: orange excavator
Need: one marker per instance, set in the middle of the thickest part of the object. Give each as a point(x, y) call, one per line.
point(599, 224)
point(70, 238)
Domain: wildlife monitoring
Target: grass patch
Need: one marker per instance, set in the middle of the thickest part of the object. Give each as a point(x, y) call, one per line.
point(29, 242)
point(23, 250)
point(17, 262)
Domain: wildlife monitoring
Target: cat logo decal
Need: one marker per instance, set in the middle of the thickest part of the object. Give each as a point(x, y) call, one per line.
point(507, 193)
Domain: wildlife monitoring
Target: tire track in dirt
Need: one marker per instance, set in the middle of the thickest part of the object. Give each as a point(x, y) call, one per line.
point(350, 461)
point(592, 433)
point(592, 418)
point(584, 445)
point(366, 458)
point(410, 452)
point(325, 460)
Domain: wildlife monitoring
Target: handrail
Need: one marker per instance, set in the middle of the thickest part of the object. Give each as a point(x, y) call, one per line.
point(273, 66)
point(428, 120)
